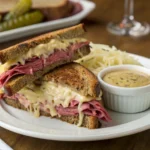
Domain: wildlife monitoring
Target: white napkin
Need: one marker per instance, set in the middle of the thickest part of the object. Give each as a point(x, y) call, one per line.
point(4, 146)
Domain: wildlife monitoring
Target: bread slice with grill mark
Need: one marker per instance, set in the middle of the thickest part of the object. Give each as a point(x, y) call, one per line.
point(76, 77)
point(17, 83)
point(22, 48)
point(90, 122)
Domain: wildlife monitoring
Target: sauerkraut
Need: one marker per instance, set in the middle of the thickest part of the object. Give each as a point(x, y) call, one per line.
point(102, 56)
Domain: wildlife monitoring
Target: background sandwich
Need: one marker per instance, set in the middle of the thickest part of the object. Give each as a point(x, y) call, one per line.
point(25, 62)
point(70, 93)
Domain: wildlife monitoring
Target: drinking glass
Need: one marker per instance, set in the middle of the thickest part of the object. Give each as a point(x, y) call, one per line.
point(129, 26)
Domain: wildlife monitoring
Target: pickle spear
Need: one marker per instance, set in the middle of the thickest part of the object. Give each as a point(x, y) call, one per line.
point(24, 20)
point(19, 9)
point(0, 18)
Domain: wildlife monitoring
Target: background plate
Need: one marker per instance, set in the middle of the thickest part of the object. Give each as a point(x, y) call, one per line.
point(45, 128)
point(49, 25)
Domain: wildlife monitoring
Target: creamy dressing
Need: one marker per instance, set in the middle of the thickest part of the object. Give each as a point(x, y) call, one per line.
point(127, 78)
point(41, 50)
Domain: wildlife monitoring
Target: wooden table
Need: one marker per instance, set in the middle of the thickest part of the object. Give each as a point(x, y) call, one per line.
point(96, 22)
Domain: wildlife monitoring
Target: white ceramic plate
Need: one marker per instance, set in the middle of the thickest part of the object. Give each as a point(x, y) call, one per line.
point(49, 25)
point(45, 128)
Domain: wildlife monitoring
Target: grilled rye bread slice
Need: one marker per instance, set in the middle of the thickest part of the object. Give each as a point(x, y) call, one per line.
point(22, 48)
point(90, 122)
point(52, 9)
point(76, 77)
point(17, 83)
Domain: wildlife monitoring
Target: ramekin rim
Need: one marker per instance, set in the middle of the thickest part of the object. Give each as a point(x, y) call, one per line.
point(118, 87)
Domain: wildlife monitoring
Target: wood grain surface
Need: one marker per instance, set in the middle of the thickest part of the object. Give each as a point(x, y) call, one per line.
point(106, 10)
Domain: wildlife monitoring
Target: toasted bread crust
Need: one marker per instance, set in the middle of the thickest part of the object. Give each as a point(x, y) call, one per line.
point(77, 77)
point(37, 4)
point(22, 48)
point(88, 121)
point(17, 83)
point(7, 5)
point(56, 12)
point(50, 11)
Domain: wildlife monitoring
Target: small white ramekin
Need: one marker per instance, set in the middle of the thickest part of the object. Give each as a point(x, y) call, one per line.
point(122, 99)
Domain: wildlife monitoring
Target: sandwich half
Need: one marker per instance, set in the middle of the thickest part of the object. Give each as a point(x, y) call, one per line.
point(70, 93)
point(25, 62)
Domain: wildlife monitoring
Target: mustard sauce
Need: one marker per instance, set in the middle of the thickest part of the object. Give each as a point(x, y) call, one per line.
point(127, 78)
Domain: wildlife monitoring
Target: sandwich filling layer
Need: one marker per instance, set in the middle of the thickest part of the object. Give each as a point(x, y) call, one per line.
point(57, 100)
point(41, 57)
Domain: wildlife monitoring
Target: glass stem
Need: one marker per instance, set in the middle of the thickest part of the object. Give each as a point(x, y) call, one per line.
point(129, 10)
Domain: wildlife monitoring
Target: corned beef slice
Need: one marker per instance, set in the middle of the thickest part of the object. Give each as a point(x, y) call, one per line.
point(36, 64)
point(91, 108)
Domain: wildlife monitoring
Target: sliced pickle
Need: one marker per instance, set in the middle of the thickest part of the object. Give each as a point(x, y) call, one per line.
point(24, 20)
point(19, 9)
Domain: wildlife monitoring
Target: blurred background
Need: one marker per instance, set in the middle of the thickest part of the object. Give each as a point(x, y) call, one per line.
point(107, 10)
point(97, 20)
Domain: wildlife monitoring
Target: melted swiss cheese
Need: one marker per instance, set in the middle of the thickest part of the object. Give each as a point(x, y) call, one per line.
point(41, 50)
point(54, 94)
